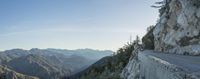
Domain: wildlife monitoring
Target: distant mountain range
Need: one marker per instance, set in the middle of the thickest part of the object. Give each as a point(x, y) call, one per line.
point(47, 63)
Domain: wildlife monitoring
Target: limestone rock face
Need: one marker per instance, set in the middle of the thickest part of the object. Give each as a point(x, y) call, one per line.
point(177, 32)
point(132, 69)
point(178, 29)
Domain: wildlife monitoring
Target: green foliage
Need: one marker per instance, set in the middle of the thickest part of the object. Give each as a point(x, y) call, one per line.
point(148, 39)
point(111, 67)
point(162, 5)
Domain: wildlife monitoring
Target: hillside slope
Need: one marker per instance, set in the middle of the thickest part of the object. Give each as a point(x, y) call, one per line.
point(49, 63)
point(108, 67)
point(6, 73)
point(178, 29)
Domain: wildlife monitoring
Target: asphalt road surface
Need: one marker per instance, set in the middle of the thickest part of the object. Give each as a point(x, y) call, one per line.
point(189, 63)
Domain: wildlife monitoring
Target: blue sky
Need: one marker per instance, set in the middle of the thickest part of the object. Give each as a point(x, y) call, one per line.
point(73, 24)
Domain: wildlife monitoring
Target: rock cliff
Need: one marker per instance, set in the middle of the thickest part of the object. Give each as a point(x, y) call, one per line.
point(178, 29)
point(177, 33)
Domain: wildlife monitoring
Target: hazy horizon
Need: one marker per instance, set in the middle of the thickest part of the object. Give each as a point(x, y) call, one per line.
point(59, 49)
point(77, 24)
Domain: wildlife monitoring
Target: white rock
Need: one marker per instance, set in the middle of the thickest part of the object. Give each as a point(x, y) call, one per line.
point(182, 26)
point(154, 65)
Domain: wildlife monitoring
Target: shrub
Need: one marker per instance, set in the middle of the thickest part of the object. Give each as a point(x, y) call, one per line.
point(148, 39)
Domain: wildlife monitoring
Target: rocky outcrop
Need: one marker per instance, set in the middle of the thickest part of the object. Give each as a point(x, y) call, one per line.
point(154, 65)
point(132, 69)
point(178, 30)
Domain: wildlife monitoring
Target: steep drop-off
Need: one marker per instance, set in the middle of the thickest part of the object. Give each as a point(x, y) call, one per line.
point(108, 67)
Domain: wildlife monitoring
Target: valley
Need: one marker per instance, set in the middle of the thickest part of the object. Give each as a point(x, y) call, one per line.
point(49, 63)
